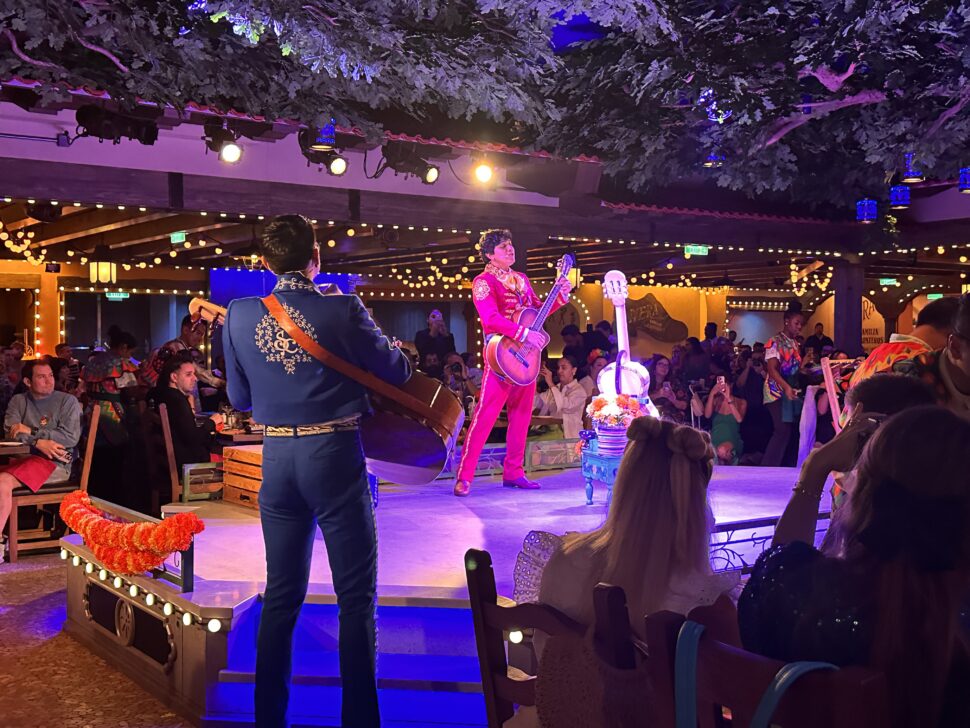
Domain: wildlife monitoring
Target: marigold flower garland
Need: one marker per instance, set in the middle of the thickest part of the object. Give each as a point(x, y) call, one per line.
point(128, 548)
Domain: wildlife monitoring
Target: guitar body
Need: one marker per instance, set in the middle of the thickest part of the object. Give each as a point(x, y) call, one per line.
point(401, 446)
point(516, 361)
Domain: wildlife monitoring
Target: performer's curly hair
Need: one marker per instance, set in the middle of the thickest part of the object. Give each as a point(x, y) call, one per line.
point(490, 239)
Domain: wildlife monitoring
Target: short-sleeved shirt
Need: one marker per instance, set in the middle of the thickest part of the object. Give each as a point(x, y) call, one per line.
point(785, 349)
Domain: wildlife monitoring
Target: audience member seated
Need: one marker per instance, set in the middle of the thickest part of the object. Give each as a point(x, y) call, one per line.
point(934, 324)
point(193, 443)
point(697, 362)
point(456, 377)
point(574, 345)
point(63, 351)
point(47, 420)
point(605, 328)
point(190, 336)
point(656, 539)
point(947, 370)
point(888, 591)
point(431, 365)
point(434, 339)
point(475, 373)
point(886, 394)
point(596, 362)
point(567, 399)
point(726, 412)
point(817, 342)
point(6, 386)
point(666, 392)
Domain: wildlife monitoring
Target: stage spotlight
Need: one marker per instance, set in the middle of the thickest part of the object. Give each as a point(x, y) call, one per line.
point(223, 142)
point(318, 149)
point(483, 173)
point(93, 121)
point(405, 160)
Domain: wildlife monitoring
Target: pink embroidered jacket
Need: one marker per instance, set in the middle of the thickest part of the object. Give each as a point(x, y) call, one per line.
point(497, 304)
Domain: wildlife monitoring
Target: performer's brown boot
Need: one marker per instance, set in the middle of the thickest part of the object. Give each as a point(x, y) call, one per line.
point(521, 482)
point(462, 488)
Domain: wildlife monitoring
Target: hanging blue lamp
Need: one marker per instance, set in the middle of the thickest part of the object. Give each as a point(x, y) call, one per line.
point(899, 197)
point(714, 160)
point(911, 174)
point(865, 211)
point(965, 180)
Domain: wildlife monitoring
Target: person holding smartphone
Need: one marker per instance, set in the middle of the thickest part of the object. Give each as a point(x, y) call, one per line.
point(665, 392)
point(726, 412)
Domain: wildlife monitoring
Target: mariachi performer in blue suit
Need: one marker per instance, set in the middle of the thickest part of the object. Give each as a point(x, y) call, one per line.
point(313, 466)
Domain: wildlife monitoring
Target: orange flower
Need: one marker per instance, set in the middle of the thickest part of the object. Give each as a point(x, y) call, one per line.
point(128, 548)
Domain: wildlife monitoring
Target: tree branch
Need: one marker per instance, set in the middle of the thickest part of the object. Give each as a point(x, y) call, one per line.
point(106, 53)
point(8, 34)
point(827, 77)
point(950, 113)
point(825, 107)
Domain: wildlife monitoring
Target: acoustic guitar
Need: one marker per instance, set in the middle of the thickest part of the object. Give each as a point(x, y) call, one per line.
point(518, 361)
point(623, 376)
point(414, 426)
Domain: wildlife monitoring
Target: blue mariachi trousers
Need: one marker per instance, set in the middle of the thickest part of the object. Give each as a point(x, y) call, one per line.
point(312, 481)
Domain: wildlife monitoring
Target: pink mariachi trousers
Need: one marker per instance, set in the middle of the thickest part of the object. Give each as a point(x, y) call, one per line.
point(495, 393)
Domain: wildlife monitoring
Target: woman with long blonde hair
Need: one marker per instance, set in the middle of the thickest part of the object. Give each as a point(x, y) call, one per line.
point(656, 539)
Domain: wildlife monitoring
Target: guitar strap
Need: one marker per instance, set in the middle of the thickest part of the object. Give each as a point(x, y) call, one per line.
point(365, 378)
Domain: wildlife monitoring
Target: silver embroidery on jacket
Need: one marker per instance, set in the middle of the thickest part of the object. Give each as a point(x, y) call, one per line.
point(277, 345)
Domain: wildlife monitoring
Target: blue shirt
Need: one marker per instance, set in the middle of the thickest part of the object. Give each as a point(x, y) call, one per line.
point(269, 373)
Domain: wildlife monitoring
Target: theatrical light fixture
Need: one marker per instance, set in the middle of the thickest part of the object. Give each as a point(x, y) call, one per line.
point(94, 121)
point(222, 141)
point(405, 159)
point(899, 197)
point(484, 172)
point(318, 149)
point(911, 174)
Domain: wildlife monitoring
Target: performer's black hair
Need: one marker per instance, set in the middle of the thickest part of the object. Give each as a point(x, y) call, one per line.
point(939, 314)
point(490, 239)
point(794, 309)
point(287, 243)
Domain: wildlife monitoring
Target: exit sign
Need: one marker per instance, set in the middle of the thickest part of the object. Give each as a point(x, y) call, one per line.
point(697, 249)
point(934, 296)
point(177, 238)
point(888, 281)
point(116, 295)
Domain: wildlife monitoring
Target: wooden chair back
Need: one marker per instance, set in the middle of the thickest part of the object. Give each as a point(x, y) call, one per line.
point(173, 472)
point(728, 677)
point(502, 686)
point(89, 448)
point(154, 453)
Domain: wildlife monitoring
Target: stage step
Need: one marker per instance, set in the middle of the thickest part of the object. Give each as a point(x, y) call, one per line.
point(427, 668)
point(314, 705)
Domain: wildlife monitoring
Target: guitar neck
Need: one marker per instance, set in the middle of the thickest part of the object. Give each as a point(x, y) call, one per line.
point(546, 307)
point(622, 330)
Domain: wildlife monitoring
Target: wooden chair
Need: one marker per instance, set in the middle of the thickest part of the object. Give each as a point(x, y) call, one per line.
point(504, 686)
point(51, 494)
point(732, 681)
point(185, 488)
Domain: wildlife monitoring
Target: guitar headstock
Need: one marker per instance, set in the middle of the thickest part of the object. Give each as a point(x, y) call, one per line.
point(205, 312)
point(564, 265)
point(615, 287)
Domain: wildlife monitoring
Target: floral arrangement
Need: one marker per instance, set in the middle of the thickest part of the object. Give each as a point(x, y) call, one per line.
point(128, 548)
point(614, 410)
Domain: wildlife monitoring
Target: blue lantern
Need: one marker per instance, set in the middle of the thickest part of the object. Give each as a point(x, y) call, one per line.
point(965, 180)
point(911, 174)
point(865, 211)
point(714, 160)
point(899, 197)
point(326, 138)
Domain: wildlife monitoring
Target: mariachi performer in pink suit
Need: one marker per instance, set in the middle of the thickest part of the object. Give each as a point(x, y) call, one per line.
point(499, 292)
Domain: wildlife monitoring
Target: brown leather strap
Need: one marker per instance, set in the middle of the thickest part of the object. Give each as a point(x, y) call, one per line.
point(345, 367)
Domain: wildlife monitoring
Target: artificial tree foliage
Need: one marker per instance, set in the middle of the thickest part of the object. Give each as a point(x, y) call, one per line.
point(812, 99)
point(817, 99)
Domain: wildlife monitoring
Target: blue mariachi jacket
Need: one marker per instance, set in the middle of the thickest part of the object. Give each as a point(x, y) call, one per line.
point(266, 370)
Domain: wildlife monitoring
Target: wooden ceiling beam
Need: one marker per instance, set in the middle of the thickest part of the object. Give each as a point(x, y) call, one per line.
point(92, 222)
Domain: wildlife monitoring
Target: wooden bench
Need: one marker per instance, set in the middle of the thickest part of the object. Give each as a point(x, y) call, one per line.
point(51, 494)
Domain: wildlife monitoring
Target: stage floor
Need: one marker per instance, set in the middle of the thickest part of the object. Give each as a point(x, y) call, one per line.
point(424, 531)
